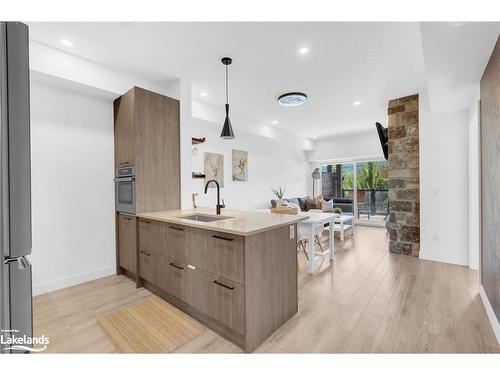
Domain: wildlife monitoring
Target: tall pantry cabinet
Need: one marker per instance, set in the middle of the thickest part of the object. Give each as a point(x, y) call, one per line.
point(147, 136)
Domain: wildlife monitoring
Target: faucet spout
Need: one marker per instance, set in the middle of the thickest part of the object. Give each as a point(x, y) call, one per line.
point(218, 206)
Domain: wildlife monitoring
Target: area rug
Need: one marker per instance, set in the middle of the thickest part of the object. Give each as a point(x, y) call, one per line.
point(149, 326)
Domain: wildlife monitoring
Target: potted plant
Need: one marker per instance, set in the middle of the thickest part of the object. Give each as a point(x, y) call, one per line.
point(337, 211)
point(279, 192)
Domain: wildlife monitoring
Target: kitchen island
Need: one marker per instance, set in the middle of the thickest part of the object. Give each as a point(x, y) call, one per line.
point(236, 272)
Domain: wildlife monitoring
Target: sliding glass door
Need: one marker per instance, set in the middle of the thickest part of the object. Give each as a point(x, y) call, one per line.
point(360, 188)
point(372, 191)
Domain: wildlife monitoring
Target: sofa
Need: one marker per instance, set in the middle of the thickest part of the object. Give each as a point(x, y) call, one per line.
point(345, 204)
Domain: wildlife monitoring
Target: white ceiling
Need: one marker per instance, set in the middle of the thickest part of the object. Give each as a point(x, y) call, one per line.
point(347, 62)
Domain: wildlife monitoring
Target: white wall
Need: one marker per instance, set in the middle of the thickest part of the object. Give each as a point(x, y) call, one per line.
point(350, 147)
point(443, 185)
point(270, 163)
point(72, 187)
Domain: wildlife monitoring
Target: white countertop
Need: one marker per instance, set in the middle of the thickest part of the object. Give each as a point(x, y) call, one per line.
point(242, 223)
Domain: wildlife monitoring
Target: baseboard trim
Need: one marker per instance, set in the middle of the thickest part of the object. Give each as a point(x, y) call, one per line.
point(491, 314)
point(444, 258)
point(53, 285)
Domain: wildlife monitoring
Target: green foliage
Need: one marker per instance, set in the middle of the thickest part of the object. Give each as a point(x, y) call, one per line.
point(368, 177)
point(348, 181)
point(279, 192)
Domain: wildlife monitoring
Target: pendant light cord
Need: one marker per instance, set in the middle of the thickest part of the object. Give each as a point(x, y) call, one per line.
point(227, 90)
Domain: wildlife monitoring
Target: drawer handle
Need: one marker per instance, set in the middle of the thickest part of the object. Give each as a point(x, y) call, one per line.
point(145, 253)
point(176, 266)
point(224, 286)
point(222, 238)
point(146, 221)
point(127, 218)
point(176, 228)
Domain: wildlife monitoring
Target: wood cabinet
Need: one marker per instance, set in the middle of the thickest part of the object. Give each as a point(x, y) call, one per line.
point(225, 302)
point(175, 244)
point(147, 131)
point(243, 288)
point(126, 242)
point(147, 263)
point(226, 255)
point(124, 130)
point(147, 135)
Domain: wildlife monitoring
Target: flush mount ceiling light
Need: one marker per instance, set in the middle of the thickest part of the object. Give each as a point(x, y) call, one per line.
point(292, 99)
point(66, 42)
point(303, 50)
point(356, 103)
point(227, 129)
point(203, 94)
point(275, 122)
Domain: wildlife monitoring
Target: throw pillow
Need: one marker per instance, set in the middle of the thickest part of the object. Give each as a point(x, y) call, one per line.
point(310, 204)
point(319, 200)
point(302, 203)
point(327, 206)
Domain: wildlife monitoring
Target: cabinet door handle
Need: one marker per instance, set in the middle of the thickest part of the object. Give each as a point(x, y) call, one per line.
point(176, 228)
point(222, 238)
point(222, 285)
point(146, 221)
point(176, 266)
point(145, 253)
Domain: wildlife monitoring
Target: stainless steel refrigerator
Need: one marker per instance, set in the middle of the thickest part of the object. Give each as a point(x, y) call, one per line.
point(15, 189)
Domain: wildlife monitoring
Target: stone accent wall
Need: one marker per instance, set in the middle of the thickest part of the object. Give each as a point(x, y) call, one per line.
point(404, 179)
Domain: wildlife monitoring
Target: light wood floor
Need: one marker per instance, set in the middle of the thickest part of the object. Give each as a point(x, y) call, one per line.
point(367, 300)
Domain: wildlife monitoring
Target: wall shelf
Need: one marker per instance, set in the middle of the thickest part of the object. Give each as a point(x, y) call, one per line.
point(197, 141)
point(198, 175)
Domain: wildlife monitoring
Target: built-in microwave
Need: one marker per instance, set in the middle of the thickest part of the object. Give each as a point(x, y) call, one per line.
point(125, 189)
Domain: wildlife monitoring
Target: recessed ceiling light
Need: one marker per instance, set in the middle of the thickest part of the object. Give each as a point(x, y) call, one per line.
point(357, 102)
point(203, 94)
point(275, 121)
point(66, 42)
point(314, 136)
point(304, 50)
point(292, 99)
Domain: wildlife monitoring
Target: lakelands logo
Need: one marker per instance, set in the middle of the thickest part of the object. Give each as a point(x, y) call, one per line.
point(22, 343)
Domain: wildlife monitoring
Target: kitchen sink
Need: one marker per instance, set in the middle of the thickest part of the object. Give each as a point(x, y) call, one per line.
point(205, 218)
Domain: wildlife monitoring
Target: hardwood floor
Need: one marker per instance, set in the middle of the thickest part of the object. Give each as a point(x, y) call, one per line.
point(367, 300)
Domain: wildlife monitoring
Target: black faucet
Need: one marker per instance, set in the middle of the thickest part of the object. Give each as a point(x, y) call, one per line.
point(218, 206)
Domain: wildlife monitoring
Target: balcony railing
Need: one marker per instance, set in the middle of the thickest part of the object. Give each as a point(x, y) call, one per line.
point(372, 204)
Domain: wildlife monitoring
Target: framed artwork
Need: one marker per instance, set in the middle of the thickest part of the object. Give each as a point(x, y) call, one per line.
point(214, 168)
point(240, 165)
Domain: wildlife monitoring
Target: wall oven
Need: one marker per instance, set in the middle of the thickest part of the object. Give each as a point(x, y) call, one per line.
point(125, 189)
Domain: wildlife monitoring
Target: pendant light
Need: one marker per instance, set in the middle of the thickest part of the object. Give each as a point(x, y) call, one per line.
point(227, 130)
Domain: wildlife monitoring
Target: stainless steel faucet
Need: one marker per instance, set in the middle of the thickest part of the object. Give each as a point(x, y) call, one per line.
point(194, 200)
point(218, 206)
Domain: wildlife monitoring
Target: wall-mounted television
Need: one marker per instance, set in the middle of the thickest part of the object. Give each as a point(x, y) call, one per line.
point(384, 139)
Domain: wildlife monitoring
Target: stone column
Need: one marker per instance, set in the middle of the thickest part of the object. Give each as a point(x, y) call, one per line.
point(404, 179)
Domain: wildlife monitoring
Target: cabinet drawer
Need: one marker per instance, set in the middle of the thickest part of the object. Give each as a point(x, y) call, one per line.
point(225, 255)
point(127, 242)
point(149, 235)
point(146, 265)
point(175, 244)
point(196, 248)
point(225, 302)
point(183, 281)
